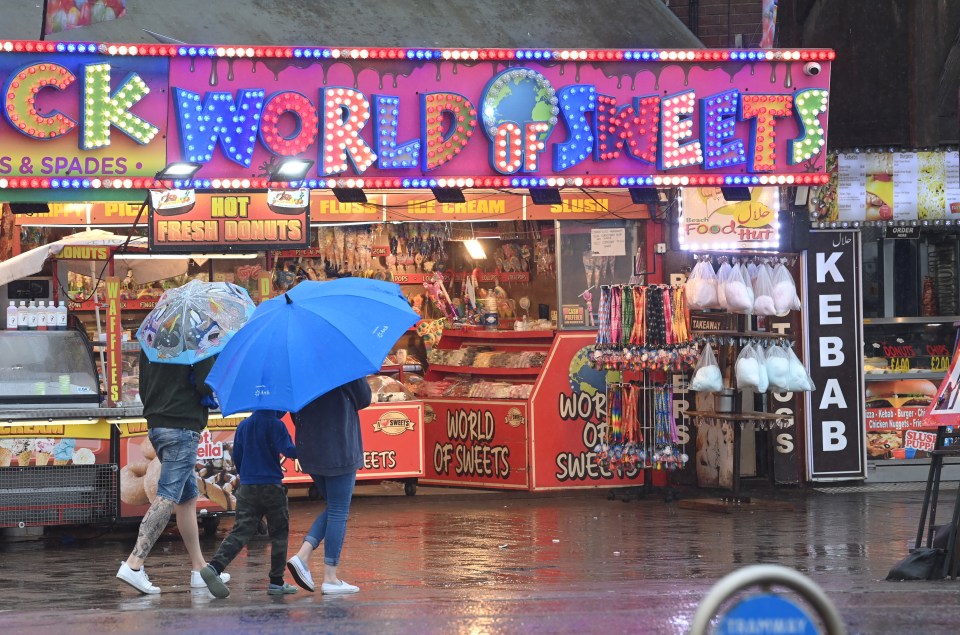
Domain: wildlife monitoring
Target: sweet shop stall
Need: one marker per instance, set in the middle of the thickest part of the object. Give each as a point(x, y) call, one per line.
point(486, 356)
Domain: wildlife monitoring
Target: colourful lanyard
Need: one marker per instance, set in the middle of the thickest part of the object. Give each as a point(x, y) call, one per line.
point(603, 317)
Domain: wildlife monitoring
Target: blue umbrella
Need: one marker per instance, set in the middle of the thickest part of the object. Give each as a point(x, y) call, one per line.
point(315, 337)
point(194, 322)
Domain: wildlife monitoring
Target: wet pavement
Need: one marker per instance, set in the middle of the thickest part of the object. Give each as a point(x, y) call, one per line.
point(455, 562)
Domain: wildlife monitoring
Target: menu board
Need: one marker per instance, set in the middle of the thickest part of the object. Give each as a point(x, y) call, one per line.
point(898, 186)
point(851, 195)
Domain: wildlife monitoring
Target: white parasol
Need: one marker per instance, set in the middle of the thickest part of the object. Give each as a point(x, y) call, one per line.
point(143, 271)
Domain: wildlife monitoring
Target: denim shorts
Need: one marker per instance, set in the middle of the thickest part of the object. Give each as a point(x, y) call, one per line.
point(177, 450)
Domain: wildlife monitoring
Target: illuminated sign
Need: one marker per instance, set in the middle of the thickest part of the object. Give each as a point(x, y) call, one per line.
point(182, 221)
point(708, 221)
point(93, 116)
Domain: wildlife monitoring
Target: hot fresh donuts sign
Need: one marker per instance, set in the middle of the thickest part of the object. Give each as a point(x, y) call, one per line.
point(95, 116)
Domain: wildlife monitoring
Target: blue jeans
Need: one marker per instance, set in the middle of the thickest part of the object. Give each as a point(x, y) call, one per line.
point(177, 450)
point(330, 527)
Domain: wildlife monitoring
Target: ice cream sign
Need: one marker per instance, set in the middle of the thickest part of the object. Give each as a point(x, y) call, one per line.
point(93, 115)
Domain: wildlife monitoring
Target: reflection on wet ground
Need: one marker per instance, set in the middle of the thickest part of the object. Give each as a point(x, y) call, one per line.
point(496, 563)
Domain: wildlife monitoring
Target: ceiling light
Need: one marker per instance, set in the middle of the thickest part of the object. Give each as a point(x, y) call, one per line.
point(475, 249)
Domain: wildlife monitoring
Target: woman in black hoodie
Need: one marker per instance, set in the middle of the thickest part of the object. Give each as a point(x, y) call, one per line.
point(330, 450)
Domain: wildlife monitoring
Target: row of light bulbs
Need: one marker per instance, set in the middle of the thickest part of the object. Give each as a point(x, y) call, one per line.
point(609, 55)
point(935, 222)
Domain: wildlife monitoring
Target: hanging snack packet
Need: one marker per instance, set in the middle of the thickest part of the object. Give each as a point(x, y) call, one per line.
point(748, 369)
point(701, 287)
point(785, 298)
point(763, 289)
point(778, 368)
point(722, 272)
point(798, 379)
point(748, 283)
point(738, 295)
point(706, 374)
point(762, 361)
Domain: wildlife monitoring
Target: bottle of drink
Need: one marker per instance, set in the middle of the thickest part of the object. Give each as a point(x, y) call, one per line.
point(12, 317)
point(52, 316)
point(62, 316)
point(42, 315)
point(32, 316)
point(22, 316)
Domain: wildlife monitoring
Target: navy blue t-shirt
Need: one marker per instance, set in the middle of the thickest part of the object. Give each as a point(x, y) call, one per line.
point(257, 445)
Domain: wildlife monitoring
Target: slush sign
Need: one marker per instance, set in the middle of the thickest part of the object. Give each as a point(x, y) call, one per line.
point(403, 118)
point(835, 425)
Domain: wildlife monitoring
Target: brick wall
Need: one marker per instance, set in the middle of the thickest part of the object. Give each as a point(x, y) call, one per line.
point(718, 22)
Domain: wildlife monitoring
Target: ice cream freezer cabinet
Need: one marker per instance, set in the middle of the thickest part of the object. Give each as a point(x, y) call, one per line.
point(56, 472)
point(56, 461)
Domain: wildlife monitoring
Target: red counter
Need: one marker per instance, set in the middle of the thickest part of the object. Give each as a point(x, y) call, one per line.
point(541, 443)
point(392, 443)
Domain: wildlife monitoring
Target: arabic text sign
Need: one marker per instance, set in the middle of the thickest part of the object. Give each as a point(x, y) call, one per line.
point(709, 221)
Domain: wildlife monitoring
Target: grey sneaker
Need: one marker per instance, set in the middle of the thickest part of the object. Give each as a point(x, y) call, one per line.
point(285, 589)
point(137, 579)
point(214, 582)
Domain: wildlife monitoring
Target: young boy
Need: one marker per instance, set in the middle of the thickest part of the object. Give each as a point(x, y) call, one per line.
point(259, 441)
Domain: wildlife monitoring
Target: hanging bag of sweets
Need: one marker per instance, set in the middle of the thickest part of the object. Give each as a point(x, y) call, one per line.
point(722, 272)
point(706, 374)
point(763, 290)
point(748, 285)
point(748, 369)
point(798, 379)
point(761, 355)
point(778, 368)
point(738, 295)
point(785, 298)
point(701, 287)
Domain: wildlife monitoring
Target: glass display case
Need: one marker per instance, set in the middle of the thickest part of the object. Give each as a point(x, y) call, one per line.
point(47, 369)
point(905, 360)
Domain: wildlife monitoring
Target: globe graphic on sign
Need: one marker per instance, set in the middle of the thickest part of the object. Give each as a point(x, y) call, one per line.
point(521, 96)
point(586, 379)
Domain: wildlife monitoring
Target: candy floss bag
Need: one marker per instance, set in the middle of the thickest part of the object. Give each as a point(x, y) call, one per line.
point(701, 287)
point(778, 368)
point(751, 369)
point(785, 298)
point(723, 272)
point(737, 289)
point(798, 379)
point(763, 290)
point(706, 374)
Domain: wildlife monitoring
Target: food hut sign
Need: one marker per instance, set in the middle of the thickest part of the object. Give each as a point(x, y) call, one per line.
point(709, 221)
point(83, 115)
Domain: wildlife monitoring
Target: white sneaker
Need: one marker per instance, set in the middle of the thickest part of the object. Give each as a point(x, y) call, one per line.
point(338, 588)
point(301, 574)
point(137, 579)
point(196, 580)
